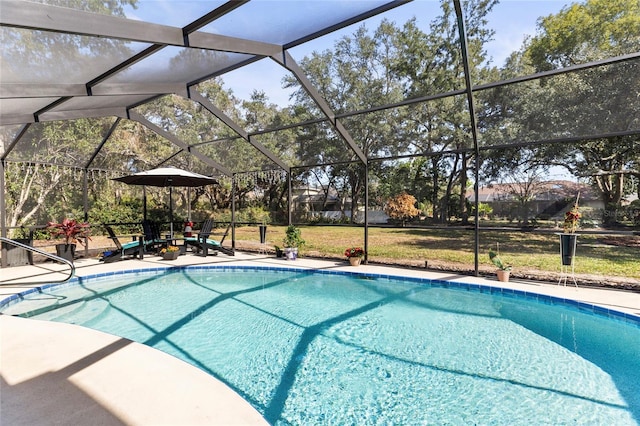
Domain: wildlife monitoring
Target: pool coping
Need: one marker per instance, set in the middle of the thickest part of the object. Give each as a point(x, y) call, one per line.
point(433, 282)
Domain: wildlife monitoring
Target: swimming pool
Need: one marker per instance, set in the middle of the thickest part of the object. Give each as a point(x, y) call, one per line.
point(327, 348)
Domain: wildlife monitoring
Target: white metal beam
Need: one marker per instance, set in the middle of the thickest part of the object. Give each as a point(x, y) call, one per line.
point(289, 63)
point(206, 103)
point(132, 115)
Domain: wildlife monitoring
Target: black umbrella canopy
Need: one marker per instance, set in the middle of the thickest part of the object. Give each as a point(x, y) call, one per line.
point(167, 176)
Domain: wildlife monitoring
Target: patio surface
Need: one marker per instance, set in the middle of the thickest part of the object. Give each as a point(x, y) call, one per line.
point(54, 373)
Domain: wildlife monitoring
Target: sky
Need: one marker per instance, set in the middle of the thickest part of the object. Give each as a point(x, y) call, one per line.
point(512, 20)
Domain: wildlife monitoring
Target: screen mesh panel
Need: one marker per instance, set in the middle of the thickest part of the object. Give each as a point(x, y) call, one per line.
point(595, 101)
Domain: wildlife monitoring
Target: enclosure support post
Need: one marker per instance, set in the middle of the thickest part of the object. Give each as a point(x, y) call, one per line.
point(476, 216)
point(289, 197)
point(233, 212)
point(3, 214)
point(472, 121)
point(366, 212)
point(85, 203)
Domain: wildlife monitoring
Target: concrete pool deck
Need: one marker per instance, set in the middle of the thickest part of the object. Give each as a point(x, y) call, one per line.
point(56, 373)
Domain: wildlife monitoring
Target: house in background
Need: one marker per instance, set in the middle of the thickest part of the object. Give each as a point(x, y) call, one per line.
point(547, 200)
point(314, 203)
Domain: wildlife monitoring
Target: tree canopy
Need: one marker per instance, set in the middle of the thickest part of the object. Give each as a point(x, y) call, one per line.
point(398, 91)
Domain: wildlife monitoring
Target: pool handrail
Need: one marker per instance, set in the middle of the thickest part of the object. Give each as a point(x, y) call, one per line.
point(43, 253)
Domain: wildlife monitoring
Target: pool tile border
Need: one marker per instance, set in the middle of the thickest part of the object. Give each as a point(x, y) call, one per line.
point(435, 283)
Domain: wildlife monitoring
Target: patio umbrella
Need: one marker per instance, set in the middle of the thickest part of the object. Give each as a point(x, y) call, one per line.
point(167, 177)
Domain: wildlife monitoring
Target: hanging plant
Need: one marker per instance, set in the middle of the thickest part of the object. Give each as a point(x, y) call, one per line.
point(572, 218)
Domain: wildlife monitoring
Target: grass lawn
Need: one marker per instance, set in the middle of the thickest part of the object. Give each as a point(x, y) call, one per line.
point(530, 253)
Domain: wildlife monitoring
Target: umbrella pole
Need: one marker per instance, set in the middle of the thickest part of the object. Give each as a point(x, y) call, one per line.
point(171, 211)
point(144, 199)
point(189, 203)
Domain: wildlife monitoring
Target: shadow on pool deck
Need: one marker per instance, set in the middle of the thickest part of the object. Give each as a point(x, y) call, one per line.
point(54, 373)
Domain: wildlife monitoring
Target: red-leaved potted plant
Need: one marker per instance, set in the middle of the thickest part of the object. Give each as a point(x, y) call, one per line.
point(354, 254)
point(73, 232)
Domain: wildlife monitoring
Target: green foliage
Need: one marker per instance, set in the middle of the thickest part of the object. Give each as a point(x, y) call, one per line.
point(425, 208)
point(582, 32)
point(495, 259)
point(322, 219)
point(363, 70)
point(484, 210)
point(633, 213)
point(293, 237)
point(255, 214)
point(127, 210)
point(410, 176)
point(587, 31)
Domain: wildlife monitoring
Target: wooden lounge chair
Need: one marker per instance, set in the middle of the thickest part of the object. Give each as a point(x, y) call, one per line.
point(122, 251)
point(202, 242)
point(153, 240)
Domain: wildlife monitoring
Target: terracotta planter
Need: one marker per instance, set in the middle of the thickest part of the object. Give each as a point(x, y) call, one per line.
point(170, 255)
point(355, 261)
point(503, 275)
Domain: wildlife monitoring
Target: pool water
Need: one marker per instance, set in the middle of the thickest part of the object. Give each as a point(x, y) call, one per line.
point(329, 349)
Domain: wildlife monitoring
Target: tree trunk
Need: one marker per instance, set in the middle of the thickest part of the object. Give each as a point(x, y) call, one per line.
point(610, 186)
point(446, 213)
point(464, 213)
point(33, 179)
point(434, 194)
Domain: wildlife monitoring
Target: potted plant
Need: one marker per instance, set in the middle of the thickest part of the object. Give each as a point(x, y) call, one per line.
point(355, 255)
point(292, 242)
point(17, 256)
point(170, 252)
point(504, 270)
point(73, 232)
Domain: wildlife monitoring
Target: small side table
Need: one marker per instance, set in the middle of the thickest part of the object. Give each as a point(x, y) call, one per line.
point(175, 242)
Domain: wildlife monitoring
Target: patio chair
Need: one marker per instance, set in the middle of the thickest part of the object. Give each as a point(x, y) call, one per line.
point(133, 248)
point(202, 241)
point(152, 238)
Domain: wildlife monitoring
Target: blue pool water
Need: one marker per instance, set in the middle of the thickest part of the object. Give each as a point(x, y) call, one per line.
point(330, 349)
